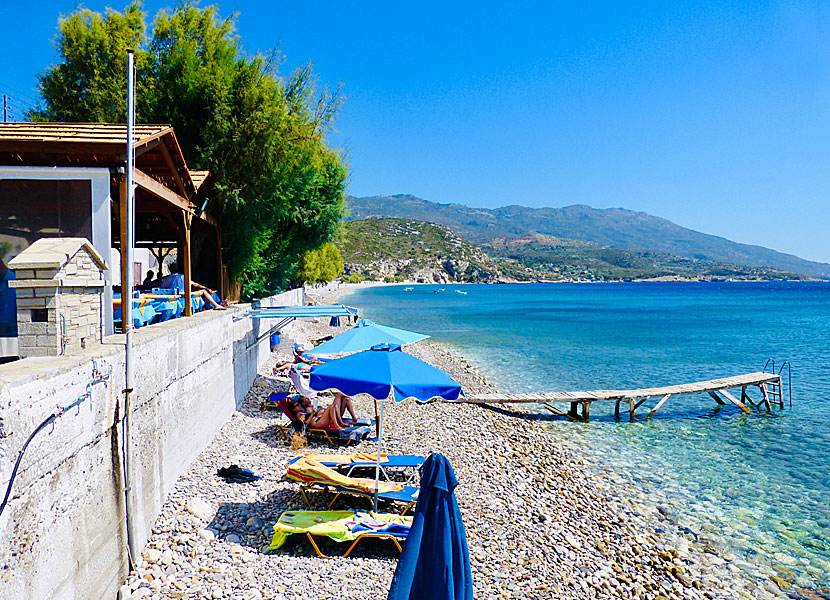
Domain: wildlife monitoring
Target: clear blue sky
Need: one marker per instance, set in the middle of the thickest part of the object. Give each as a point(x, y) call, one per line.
point(716, 117)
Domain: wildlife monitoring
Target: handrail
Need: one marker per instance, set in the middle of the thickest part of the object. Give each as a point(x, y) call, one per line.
point(766, 364)
point(789, 379)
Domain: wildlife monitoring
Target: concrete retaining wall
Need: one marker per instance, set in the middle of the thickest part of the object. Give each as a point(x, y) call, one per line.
point(62, 534)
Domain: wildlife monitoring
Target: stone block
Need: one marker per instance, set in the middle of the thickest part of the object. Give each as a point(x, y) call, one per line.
point(25, 293)
point(31, 303)
point(32, 329)
point(71, 268)
point(24, 274)
point(45, 292)
point(26, 352)
point(45, 273)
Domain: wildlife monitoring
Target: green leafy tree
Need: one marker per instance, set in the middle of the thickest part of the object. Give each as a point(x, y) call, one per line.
point(278, 186)
point(321, 265)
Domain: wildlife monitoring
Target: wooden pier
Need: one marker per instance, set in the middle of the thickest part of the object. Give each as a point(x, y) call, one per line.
point(768, 384)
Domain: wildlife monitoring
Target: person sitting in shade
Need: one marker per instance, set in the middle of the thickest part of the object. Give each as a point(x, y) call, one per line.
point(175, 281)
point(149, 281)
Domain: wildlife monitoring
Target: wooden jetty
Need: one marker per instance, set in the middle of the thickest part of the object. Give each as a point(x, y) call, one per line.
point(769, 385)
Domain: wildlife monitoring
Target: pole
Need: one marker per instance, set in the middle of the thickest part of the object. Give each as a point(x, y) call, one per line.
point(5, 109)
point(377, 465)
point(127, 300)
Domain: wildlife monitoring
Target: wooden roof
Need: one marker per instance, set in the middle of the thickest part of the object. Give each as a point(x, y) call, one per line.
point(157, 150)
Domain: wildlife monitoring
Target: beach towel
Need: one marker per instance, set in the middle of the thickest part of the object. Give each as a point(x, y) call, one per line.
point(311, 471)
point(345, 459)
point(339, 525)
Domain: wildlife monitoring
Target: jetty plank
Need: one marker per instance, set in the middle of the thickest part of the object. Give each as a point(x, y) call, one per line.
point(636, 397)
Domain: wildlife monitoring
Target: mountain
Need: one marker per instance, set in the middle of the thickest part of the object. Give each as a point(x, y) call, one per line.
point(413, 250)
point(612, 227)
point(545, 257)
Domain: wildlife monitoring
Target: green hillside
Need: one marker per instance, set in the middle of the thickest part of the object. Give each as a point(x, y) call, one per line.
point(412, 250)
point(612, 228)
point(551, 258)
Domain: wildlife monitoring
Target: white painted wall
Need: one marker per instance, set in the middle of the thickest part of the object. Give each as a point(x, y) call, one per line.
point(62, 535)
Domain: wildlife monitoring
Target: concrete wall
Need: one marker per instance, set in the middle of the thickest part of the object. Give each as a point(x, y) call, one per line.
point(62, 533)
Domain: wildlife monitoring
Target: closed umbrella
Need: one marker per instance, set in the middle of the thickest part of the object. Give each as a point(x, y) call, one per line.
point(435, 562)
point(364, 335)
point(384, 371)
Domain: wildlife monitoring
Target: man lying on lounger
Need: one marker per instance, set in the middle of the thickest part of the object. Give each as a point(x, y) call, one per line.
point(330, 417)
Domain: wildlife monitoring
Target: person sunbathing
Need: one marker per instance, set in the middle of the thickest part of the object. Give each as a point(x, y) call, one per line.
point(300, 360)
point(331, 417)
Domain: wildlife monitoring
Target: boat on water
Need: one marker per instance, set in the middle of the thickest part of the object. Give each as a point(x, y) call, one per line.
point(460, 292)
point(408, 289)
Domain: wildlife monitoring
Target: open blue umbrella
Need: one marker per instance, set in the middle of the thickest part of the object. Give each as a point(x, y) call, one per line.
point(364, 335)
point(435, 562)
point(384, 371)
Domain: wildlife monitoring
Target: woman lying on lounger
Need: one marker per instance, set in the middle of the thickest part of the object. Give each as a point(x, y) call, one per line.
point(302, 361)
point(330, 417)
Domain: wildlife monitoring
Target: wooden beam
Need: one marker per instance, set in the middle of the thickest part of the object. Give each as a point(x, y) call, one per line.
point(717, 398)
point(188, 302)
point(632, 406)
point(617, 410)
point(169, 160)
point(763, 387)
point(556, 411)
point(159, 190)
point(735, 401)
point(656, 408)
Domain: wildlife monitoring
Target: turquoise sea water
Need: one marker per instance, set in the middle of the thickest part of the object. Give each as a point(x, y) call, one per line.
point(761, 483)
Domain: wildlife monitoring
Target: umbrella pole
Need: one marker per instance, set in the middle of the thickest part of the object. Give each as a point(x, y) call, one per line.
point(377, 464)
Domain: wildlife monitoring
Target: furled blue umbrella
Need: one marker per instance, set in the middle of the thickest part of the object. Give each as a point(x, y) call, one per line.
point(384, 371)
point(435, 562)
point(364, 335)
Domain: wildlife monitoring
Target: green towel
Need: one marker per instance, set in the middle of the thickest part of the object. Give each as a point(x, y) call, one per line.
point(336, 524)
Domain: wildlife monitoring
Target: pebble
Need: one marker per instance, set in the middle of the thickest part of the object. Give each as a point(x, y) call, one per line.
point(542, 520)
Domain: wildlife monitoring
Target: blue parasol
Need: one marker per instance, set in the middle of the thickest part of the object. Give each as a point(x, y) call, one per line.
point(364, 335)
point(435, 562)
point(384, 371)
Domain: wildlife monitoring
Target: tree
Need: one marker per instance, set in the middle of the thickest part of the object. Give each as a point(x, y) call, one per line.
point(321, 265)
point(278, 186)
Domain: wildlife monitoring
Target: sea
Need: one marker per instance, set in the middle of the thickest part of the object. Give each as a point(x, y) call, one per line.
point(760, 483)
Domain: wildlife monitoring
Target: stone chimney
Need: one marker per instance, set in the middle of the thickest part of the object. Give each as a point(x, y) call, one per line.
point(59, 284)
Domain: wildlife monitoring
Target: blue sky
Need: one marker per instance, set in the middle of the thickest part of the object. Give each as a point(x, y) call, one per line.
point(714, 115)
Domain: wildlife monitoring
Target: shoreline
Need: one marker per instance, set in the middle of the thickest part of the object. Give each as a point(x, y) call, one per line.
point(706, 552)
point(542, 520)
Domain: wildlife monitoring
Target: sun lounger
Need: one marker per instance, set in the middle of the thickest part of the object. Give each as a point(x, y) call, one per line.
point(340, 526)
point(355, 432)
point(349, 462)
point(311, 474)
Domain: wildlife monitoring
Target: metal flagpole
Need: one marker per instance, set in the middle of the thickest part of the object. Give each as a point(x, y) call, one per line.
point(127, 298)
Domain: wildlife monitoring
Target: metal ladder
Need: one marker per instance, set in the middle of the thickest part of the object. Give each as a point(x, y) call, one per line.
point(773, 390)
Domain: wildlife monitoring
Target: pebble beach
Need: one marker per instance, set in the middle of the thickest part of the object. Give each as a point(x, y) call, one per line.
point(543, 519)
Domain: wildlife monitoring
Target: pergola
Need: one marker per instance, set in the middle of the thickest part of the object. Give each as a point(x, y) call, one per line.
point(170, 199)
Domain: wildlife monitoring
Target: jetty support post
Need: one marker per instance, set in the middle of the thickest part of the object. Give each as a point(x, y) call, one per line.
point(656, 408)
point(617, 409)
point(734, 400)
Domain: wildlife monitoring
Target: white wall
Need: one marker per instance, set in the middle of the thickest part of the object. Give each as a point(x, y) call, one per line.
point(62, 534)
